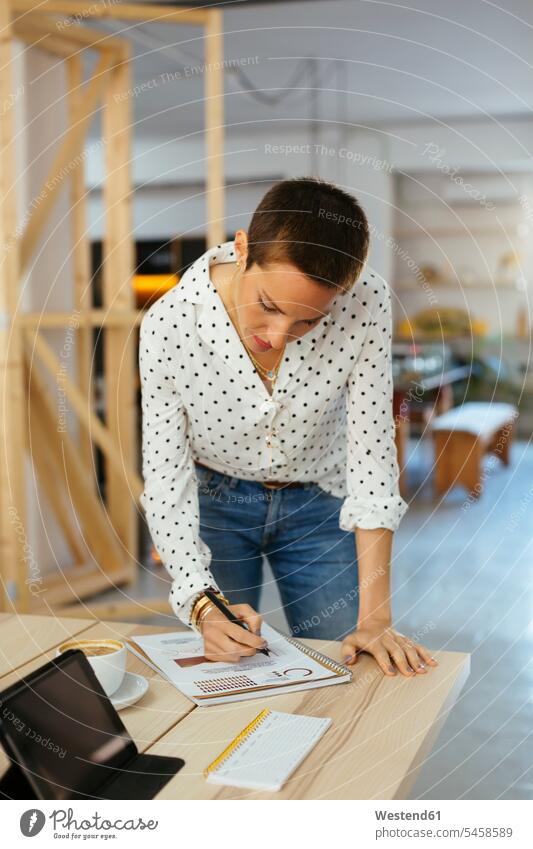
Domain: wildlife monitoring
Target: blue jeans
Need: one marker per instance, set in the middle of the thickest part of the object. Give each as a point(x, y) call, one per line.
point(313, 561)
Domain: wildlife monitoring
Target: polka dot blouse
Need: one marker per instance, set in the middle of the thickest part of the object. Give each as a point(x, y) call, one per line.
point(329, 419)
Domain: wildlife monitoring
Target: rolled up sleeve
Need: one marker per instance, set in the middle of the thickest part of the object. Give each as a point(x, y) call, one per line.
point(170, 495)
point(373, 498)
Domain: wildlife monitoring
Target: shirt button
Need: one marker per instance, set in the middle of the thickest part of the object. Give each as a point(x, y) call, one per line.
point(268, 406)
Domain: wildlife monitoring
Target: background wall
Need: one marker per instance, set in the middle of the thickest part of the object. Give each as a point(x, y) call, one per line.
point(40, 118)
point(406, 175)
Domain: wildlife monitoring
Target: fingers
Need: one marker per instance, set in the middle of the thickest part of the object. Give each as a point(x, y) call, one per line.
point(245, 637)
point(426, 655)
point(226, 651)
point(215, 621)
point(224, 641)
point(415, 661)
point(349, 649)
point(392, 650)
point(417, 655)
point(384, 661)
point(410, 658)
point(221, 648)
point(399, 657)
point(248, 615)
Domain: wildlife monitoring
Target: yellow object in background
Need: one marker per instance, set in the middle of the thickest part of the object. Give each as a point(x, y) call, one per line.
point(480, 327)
point(150, 287)
point(154, 555)
point(439, 323)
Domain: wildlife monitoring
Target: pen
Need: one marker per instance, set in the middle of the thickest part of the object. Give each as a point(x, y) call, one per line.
point(229, 615)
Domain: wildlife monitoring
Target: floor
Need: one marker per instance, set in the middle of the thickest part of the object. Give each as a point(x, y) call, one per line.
point(462, 580)
point(466, 568)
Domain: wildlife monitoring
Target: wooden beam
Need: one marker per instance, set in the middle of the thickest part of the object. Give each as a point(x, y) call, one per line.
point(97, 532)
point(91, 318)
point(121, 11)
point(81, 262)
point(214, 128)
point(57, 45)
point(120, 345)
point(118, 610)
point(14, 591)
point(90, 421)
point(82, 36)
point(65, 157)
point(71, 586)
point(43, 463)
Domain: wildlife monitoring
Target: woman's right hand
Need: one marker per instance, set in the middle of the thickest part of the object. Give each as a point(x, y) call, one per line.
point(225, 641)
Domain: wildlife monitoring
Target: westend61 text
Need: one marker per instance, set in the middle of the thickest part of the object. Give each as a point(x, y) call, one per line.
point(407, 815)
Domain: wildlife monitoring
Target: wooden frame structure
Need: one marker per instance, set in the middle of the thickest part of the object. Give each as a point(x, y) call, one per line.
point(102, 537)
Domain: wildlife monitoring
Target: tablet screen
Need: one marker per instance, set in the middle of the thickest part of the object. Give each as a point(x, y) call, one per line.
point(63, 731)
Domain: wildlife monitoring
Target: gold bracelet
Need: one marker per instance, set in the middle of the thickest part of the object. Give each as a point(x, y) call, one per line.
point(200, 603)
point(198, 607)
point(201, 616)
point(194, 610)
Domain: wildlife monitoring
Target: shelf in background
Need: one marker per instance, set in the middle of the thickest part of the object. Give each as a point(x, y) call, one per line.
point(480, 285)
point(446, 233)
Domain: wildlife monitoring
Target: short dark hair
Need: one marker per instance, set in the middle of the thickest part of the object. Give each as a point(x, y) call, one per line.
point(314, 225)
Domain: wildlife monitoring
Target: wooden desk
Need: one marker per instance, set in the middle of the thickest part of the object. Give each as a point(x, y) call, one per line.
point(382, 730)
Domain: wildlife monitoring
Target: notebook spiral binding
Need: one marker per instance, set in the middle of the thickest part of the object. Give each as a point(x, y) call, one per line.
point(339, 668)
point(238, 741)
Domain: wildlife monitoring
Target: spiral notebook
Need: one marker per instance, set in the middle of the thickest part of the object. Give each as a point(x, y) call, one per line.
point(290, 666)
point(267, 752)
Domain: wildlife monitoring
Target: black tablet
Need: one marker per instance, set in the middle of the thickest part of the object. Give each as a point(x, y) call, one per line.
point(60, 729)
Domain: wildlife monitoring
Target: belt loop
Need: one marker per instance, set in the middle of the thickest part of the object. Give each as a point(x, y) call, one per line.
point(232, 481)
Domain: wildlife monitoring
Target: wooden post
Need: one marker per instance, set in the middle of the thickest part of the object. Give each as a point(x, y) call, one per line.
point(98, 535)
point(46, 465)
point(214, 128)
point(120, 343)
point(81, 263)
point(89, 421)
point(87, 105)
point(115, 548)
point(14, 536)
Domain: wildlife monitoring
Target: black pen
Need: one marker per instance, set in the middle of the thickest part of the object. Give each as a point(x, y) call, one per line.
point(229, 615)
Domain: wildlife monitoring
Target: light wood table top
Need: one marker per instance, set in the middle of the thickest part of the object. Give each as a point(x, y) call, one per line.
point(383, 728)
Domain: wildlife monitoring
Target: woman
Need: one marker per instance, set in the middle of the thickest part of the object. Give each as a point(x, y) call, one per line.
point(268, 430)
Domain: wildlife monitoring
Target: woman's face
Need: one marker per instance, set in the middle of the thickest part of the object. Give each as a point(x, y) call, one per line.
point(276, 305)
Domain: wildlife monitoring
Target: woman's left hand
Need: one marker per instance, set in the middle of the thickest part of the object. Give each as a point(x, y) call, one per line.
point(389, 647)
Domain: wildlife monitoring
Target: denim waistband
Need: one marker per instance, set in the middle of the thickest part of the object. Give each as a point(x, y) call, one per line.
point(232, 481)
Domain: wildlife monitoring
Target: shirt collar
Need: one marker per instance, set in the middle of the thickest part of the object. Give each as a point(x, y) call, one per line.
point(195, 285)
point(213, 325)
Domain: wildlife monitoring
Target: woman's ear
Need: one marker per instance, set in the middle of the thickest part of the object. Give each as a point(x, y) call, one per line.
point(241, 248)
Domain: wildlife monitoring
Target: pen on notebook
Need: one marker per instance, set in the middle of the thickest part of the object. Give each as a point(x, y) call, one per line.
point(229, 615)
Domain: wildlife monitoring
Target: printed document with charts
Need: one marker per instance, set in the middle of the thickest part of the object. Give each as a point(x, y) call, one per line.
point(290, 666)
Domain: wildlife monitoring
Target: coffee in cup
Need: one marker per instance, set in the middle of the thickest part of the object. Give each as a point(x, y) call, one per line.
point(97, 649)
point(107, 658)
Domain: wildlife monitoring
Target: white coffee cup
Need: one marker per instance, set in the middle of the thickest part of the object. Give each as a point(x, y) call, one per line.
point(109, 665)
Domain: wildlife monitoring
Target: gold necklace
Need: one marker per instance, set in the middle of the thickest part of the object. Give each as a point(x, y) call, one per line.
point(270, 374)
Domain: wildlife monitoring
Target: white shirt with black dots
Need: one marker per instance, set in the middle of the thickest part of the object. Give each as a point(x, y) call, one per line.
point(328, 421)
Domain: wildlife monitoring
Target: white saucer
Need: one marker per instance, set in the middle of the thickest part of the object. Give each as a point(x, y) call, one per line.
point(130, 691)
